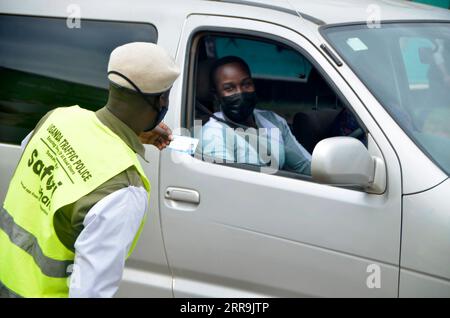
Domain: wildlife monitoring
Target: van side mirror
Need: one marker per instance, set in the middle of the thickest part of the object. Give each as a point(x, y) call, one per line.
point(345, 161)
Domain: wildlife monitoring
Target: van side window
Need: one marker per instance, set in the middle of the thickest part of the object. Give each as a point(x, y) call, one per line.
point(295, 107)
point(44, 64)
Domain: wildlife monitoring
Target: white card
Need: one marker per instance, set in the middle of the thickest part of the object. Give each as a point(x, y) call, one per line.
point(183, 144)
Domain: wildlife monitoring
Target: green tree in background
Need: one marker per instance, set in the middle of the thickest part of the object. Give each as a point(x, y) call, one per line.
point(438, 3)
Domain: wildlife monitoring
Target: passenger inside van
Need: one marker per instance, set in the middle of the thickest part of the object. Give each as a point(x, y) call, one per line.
point(229, 133)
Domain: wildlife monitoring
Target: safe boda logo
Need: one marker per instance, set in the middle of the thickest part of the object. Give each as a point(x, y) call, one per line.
point(45, 173)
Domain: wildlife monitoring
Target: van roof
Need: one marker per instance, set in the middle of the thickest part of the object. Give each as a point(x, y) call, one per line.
point(348, 11)
point(318, 12)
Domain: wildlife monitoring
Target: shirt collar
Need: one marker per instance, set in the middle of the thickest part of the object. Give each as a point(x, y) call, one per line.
point(122, 130)
point(260, 120)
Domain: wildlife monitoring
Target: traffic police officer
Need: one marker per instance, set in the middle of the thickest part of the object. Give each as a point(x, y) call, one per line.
point(77, 201)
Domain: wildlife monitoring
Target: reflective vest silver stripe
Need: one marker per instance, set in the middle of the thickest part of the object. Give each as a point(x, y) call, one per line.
point(28, 242)
point(5, 292)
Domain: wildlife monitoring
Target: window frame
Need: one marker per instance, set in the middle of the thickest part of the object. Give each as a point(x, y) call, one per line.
point(188, 97)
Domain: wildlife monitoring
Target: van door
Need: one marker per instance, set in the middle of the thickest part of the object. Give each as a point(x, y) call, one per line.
point(232, 232)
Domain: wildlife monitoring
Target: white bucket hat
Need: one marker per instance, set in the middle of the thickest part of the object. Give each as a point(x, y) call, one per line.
point(147, 65)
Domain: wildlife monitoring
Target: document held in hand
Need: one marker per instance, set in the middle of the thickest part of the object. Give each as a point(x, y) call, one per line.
point(183, 144)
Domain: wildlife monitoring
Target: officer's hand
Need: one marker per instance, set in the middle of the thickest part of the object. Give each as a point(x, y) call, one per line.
point(160, 137)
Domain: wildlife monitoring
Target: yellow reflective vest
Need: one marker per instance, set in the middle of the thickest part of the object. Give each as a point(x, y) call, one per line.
point(69, 156)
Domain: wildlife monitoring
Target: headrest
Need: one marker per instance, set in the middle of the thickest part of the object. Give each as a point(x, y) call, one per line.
point(309, 127)
point(204, 85)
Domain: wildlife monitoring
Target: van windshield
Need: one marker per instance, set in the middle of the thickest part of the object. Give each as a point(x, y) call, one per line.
point(406, 66)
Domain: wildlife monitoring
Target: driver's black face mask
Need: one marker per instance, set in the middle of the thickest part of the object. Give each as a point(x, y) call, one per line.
point(238, 107)
point(161, 111)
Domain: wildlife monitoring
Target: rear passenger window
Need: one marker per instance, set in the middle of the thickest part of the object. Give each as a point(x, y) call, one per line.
point(266, 60)
point(44, 65)
point(295, 107)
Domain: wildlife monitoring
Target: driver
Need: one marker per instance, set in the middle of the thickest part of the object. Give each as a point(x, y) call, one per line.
point(236, 95)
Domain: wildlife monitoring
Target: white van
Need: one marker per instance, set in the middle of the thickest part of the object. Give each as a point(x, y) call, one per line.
point(372, 221)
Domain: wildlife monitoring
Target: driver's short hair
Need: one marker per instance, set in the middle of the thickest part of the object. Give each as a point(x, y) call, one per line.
point(224, 61)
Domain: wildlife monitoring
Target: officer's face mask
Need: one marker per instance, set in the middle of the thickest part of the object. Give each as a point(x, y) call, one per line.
point(162, 110)
point(161, 97)
point(238, 107)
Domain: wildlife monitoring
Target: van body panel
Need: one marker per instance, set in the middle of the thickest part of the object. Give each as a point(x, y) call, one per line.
point(426, 231)
point(418, 285)
point(10, 156)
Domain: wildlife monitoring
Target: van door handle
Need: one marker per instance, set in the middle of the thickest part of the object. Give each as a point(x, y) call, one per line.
point(183, 195)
